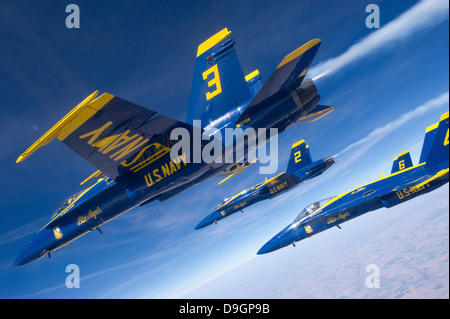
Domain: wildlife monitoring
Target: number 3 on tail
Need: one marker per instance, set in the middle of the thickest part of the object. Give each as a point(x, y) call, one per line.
point(214, 81)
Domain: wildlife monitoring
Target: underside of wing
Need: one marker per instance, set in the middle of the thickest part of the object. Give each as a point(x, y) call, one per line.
point(117, 137)
point(315, 114)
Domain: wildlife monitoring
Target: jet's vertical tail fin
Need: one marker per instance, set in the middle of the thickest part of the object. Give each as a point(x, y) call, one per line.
point(219, 84)
point(401, 162)
point(435, 146)
point(428, 141)
point(300, 157)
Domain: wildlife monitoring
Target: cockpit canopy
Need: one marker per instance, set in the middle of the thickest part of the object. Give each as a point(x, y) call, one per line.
point(244, 192)
point(312, 208)
point(69, 200)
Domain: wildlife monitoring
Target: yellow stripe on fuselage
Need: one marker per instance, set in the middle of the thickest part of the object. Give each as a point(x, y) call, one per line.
point(365, 186)
point(436, 176)
point(73, 202)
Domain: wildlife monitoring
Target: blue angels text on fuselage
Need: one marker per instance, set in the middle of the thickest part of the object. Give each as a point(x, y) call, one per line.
point(404, 183)
point(300, 169)
point(130, 145)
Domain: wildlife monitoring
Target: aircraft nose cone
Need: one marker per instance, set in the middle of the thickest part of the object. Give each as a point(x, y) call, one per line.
point(208, 220)
point(201, 225)
point(284, 238)
point(36, 248)
point(268, 247)
point(22, 258)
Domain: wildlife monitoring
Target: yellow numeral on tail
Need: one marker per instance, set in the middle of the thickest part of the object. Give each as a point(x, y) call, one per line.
point(214, 81)
point(298, 156)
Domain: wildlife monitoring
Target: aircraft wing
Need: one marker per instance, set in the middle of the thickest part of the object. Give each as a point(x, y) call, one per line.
point(288, 75)
point(315, 114)
point(118, 137)
point(439, 175)
point(236, 169)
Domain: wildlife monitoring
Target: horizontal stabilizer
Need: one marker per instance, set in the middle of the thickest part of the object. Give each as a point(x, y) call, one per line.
point(238, 168)
point(315, 114)
point(253, 80)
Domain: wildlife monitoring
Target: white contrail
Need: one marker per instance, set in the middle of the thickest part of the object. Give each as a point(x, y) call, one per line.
point(424, 14)
point(382, 131)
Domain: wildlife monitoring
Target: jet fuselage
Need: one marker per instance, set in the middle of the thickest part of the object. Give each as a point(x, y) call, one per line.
point(385, 192)
point(268, 189)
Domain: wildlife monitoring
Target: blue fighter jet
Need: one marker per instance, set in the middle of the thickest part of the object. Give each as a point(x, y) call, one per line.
point(130, 146)
point(404, 183)
point(300, 169)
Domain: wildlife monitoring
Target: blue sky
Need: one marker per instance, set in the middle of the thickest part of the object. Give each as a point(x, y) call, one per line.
point(385, 95)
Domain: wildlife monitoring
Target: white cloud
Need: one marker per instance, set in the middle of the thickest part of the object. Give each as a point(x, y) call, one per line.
point(423, 15)
point(382, 131)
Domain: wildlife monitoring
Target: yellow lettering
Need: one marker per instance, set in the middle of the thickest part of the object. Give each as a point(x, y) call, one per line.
point(165, 170)
point(149, 180)
point(155, 173)
point(340, 216)
point(129, 148)
point(172, 167)
point(124, 163)
point(215, 81)
point(121, 140)
point(182, 158)
point(446, 139)
point(405, 191)
point(96, 133)
point(243, 122)
point(91, 214)
point(401, 164)
point(104, 142)
point(161, 152)
point(178, 162)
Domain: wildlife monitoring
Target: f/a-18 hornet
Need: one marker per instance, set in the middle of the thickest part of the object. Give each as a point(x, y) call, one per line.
point(404, 183)
point(300, 169)
point(131, 145)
